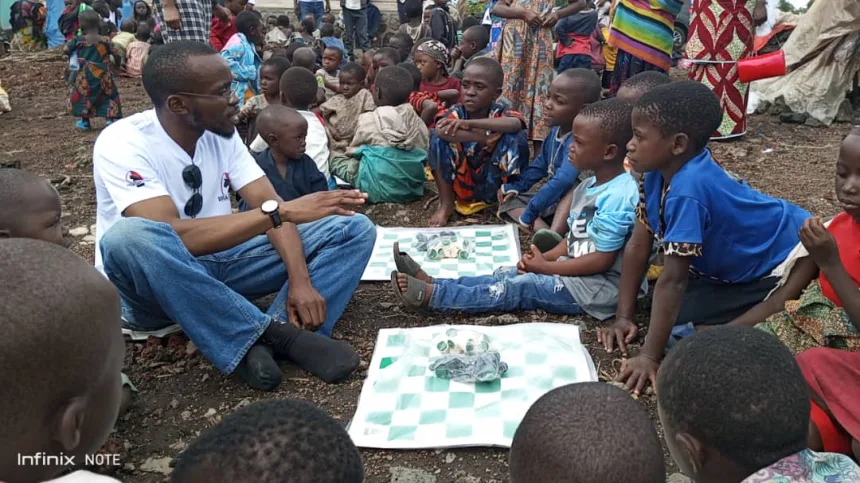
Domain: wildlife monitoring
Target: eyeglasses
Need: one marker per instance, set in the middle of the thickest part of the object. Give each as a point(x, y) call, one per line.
point(228, 95)
point(193, 178)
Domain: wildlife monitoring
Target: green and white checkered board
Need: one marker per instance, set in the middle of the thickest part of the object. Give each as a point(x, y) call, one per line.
point(495, 246)
point(404, 405)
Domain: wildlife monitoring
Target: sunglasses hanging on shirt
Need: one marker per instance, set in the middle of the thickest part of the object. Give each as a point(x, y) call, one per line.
point(193, 178)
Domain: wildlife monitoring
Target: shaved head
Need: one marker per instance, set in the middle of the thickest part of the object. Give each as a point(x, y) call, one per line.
point(276, 116)
point(29, 207)
point(305, 57)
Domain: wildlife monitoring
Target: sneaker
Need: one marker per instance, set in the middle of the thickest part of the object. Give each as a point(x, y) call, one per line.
point(83, 125)
point(136, 335)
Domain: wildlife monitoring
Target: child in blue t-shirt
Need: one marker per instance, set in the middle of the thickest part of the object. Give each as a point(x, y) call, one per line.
point(580, 276)
point(723, 241)
point(568, 93)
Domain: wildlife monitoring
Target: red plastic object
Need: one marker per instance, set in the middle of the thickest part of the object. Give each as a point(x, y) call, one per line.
point(762, 66)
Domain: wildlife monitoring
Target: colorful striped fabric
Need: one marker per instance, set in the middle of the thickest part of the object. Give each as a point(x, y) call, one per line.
point(643, 28)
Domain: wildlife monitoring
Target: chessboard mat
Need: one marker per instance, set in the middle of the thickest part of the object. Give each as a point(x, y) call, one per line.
point(403, 405)
point(495, 246)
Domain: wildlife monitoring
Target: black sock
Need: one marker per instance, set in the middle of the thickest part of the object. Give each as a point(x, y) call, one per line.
point(259, 370)
point(330, 360)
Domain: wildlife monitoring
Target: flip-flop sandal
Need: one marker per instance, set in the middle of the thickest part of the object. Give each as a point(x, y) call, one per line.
point(545, 240)
point(404, 262)
point(413, 298)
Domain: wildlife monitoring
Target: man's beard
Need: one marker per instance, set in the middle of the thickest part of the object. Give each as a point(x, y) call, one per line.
point(200, 125)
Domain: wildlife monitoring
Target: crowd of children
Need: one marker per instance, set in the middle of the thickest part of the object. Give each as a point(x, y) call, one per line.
point(614, 184)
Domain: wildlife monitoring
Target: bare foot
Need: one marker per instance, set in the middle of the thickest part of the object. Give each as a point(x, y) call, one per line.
point(403, 285)
point(440, 218)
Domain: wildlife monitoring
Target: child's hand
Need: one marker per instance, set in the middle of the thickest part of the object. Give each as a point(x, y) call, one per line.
point(532, 18)
point(819, 243)
point(550, 19)
point(638, 371)
point(623, 331)
point(533, 262)
point(504, 197)
point(453, 126)
point(455, 54)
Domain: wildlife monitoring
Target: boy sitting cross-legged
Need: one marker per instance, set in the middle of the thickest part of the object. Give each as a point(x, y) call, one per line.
point(385, 158)
point(724, 242)
point(477, 146)
point(568, 94)
point(580, 276)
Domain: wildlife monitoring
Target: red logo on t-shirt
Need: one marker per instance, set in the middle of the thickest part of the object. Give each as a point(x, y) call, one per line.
point(133, 178)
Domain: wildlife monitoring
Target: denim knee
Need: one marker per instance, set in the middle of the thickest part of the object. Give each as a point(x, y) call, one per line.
point(134, 239)
point(361, 226)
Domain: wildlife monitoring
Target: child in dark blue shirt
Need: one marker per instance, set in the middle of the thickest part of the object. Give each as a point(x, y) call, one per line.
point(724, 242)
point(292, 172)
point(568, 94)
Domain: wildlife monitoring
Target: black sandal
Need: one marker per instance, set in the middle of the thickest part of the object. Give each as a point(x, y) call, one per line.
point(413, 298)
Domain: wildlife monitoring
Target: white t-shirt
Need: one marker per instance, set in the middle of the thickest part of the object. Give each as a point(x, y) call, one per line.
point(82, 476)
point(135, 159)
point(352, 4)
point(316, 143)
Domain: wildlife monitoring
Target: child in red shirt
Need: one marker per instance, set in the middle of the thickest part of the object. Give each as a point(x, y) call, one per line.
point(431, 58)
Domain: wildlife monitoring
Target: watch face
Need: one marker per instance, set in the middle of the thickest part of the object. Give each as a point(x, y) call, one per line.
point(270, 206)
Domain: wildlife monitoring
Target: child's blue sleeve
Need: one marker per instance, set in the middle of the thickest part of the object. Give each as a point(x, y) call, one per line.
point(235, 59)
point(614, 217)
point(533, 173)
point(550, 193)
point(686, 219)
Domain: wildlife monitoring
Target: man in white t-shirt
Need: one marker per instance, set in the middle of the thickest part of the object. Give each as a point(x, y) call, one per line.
point(167, 238)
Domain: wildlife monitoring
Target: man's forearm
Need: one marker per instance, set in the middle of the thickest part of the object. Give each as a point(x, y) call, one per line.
point(204, 236)
point(288, 244)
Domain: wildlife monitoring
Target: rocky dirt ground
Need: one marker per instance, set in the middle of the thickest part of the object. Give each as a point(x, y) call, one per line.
point(181, 394)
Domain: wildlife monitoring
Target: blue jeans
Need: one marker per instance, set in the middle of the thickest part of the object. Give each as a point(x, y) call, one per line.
point(505, 291)
point(315, 8)
point(159, 281)
point(574, 61)
point(355, 22)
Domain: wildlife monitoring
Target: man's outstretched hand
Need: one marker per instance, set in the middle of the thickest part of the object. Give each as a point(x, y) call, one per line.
point(318, 205)
point(621, 332)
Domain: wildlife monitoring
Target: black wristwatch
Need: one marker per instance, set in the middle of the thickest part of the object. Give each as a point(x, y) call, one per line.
point(270, 208)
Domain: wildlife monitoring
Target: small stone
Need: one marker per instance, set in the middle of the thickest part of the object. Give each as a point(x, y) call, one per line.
point(157, 465)
point(179, 446)
point(242, 403)
point(79, 231)
point(210, 413)
point(190, 349)
point(678, 478)
point(174, 404)
point(128, 467)
point(450, 457)
point(185, 415)
point(93, 228)
point(89, 239)
point(204, 378)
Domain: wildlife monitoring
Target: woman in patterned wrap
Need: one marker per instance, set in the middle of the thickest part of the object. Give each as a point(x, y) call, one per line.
point(722, 32)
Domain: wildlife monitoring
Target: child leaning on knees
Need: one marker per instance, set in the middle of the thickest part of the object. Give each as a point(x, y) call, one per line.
point(756, 233)
point(292, 172)
point(615, 443)
point(386, 156)
point(568, 94)
point(285, 441)
point(735, 408)
point(477, 146)
point(578, 277)
point(298, 88)
point(431, 58)
point(426, 104)
point(341, 111)
point(61, 327)
point(94, 93)
point(138, 52)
